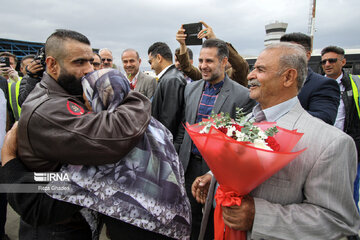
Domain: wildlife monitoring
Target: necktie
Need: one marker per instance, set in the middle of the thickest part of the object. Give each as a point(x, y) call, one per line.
point(260, 116)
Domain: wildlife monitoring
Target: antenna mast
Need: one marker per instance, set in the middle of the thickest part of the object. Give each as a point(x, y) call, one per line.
point(311, 27)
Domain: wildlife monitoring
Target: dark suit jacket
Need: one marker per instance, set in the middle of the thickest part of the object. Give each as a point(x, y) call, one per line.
point(145, 85)
point(168, 101)
point(231, 96)
point(320, 96)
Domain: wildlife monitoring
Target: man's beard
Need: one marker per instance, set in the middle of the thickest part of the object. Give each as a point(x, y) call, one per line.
point(70, 83)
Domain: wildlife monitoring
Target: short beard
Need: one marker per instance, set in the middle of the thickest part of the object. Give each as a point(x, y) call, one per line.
point(70, 83)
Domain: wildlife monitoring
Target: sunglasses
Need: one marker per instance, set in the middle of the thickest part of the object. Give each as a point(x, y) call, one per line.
point(330, 60)
point(106, 59)
point(96, 64)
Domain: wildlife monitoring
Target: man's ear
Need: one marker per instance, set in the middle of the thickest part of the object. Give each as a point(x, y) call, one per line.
point(343, 62)
point(290, 77)
point(224, 61)
point(52, 67)
point(159, 58)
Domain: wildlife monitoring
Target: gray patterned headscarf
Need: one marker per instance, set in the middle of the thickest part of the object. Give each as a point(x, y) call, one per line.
point(146, 187)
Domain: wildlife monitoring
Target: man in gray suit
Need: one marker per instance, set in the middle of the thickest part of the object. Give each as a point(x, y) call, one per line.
point(311, 197)
point(139, 81)
point(215, 92)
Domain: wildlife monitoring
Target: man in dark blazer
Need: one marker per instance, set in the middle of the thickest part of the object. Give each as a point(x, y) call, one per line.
point(214, 92)
point(168, 102)
point(320, 96)
point(139, 81)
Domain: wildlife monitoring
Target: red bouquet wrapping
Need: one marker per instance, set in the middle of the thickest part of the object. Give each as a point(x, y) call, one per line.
point(239, 167)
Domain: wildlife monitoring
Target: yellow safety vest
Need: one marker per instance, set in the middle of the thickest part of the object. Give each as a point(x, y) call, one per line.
point(14, 90)
point(355, 85)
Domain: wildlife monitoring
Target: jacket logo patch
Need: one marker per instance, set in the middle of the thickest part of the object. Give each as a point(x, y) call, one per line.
point(74, 109)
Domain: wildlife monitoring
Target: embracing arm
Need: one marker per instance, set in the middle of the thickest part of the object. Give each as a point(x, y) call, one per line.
point(90, 138)
point(34, 208)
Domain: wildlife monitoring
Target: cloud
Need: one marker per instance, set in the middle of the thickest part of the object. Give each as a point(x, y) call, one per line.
point(139, 23)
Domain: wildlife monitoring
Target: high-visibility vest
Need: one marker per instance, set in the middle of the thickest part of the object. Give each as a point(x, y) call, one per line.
point(355, 85)
point(14, 90)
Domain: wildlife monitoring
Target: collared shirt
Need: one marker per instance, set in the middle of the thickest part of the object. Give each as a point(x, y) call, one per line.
point(273, 113)
point(340, 117)
point(163, 71)
point(3, 112)
point(134, 81)
point(207, 102)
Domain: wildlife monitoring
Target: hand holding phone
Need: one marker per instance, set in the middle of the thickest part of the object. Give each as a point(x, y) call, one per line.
point(191, 31)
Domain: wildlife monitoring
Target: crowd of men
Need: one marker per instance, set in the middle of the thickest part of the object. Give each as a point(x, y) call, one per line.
point(314, 197)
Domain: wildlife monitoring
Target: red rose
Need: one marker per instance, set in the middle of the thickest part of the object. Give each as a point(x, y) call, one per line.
point(272, 143)
point(238, 127)
point(223, 130)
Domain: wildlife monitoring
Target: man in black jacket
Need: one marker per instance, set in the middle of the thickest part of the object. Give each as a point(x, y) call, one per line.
point(168, 101)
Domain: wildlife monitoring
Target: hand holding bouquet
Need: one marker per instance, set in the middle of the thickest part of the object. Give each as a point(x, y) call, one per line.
point(241, 155)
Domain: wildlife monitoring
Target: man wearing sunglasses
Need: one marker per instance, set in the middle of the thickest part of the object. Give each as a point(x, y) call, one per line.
point(106, 58)
point(97, 62)
point(348, 116)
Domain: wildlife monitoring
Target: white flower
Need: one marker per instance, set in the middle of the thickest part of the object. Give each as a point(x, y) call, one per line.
point(137, 222)
point(151, 203)
point(240, 136)
point(230, 131)
point(95, 186)
point(102, 208)
point(72, 199)
point(88, 202)
point(88, 180)
point(134, 213)
point(109, 211)
point(157, 210)
point(109, 191)
point(259, 143)
point(169, 215)
point(206, 129)
point(262, 134)
point(76, 176)
point(151, 226)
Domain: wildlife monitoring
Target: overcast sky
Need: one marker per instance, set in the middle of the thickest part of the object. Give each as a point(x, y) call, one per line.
point(137, 24)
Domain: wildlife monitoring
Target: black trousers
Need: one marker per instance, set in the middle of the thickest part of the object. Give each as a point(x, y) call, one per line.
point(3, 208)
point(119, 230)
point(197, 167)
point(54, 232)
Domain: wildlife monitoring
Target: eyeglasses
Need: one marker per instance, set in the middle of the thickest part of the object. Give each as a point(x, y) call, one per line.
point(330, 60)
point(106, 59)
point(96, 64)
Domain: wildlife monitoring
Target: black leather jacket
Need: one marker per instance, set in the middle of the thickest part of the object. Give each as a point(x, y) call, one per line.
point(168, 101)
point(56, 128)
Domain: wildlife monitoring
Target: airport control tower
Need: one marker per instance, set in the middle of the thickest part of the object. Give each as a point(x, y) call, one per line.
point(274, 31)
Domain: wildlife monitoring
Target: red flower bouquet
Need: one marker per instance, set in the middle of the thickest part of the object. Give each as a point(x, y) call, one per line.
point(241, 155)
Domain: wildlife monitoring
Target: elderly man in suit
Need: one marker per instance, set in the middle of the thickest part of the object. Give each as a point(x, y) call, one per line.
point(320, 96)
point(139, 81)
point(311, 197)
point(215, 92)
